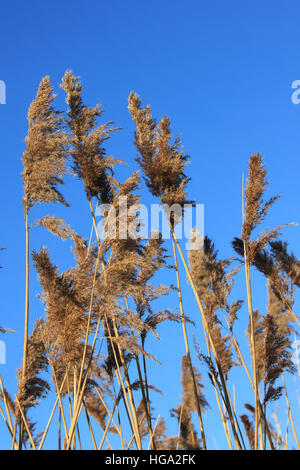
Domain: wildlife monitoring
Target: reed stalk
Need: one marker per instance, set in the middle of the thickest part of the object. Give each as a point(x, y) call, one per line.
point(205, 325)
point(290, 412)
point(252, 341)
point(187, 349)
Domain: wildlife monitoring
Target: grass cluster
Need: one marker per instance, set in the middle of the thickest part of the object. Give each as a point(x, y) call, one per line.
point(90, 351)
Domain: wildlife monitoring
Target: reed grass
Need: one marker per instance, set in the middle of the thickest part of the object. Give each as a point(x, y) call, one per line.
point(90, 349)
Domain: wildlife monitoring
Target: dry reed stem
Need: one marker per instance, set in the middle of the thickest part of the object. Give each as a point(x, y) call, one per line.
point(179, 426)
point(5, 421)
point(138, 441)
point(14, 436)
point(152, 436)
point(6, 406)
point(26, 315)
point(52, 414)
point(26, 319)
point(145, 399)
point(217, 391)
point(25, 422)
point(87, 329)
point(132, 437)
point(76, 415)
point(121, 382)
point(78, 437)
point(80, 391)
point(224, 421)
point(76, 411)
point(252, 341)
point(236, 422)
point(290, 412)
point(70, 404)
point(146, 403)
point(129, 405)
point(205, 325)
point(238, 350)
point(58, 394)
point(287, 430)
point(131, 399)
point(89, 425)
point(187, 349)
point(107, 426)
point(146, 380)
point(107, 410)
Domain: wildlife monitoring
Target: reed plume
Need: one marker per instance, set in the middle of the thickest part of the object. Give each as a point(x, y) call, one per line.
point(44, 158)
point(86, 139)
point(44, 162)
point(277, 359)
point(162, 161)
point(249, 430)
point(96, 409)
point(32, 388)
point(255, 211)
point(66, 297)
point(188, 436)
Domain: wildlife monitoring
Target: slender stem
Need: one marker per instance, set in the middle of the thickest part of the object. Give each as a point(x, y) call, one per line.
point(14, 444)
point(77, 410)
point(287, 431)
point(107, 427)
point(154, 429)
point(238, 350)
point(290, 413)
point(145, 374)
point(252, 340)
point(59, 427)
point(79, 404)
point(88, 328)
point(78, 436)
point(6, 407)
point(26, 424)
point(6, 422)
point(51, 417)
point(132, 437)
point(120, 380)
point(89, 425)
point(187, 349)
point(146, 400)
point(205, 325)
point(146, 403)
point(58, 392)
point(107, 410)
point(218, 390)
point(26, 316)
point(26, 296)
point(134, 414)
point(224, 421)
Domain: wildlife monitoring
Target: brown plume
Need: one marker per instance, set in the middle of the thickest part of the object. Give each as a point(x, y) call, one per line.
point(162, 160)
point(44, 159)
point(90, 162)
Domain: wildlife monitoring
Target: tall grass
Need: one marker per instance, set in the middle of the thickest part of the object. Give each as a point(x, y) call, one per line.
point(89, 352)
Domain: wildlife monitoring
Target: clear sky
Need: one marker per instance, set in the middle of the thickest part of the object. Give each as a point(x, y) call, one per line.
point(222, 71)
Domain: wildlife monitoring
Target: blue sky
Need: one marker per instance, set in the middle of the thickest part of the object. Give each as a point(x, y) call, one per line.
point(222, 71)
